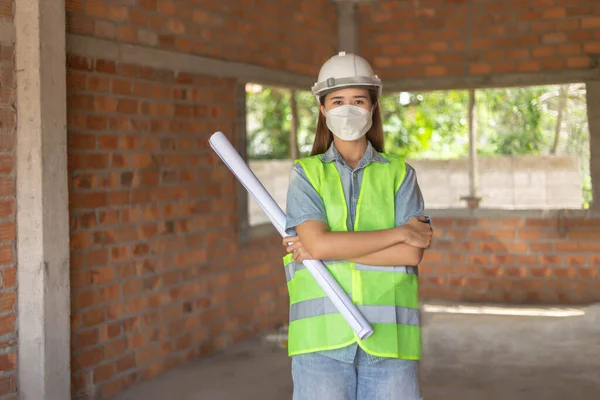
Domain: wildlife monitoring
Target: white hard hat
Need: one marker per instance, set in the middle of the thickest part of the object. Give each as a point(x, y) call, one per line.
point(345, 70)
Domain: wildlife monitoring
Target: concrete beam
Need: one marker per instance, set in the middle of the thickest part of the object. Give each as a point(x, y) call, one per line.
point(163, 59)
point(593, 113)
point(491, 81)
point(42, 201)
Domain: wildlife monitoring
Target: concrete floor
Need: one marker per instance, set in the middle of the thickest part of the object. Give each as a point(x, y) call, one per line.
point(466, 357)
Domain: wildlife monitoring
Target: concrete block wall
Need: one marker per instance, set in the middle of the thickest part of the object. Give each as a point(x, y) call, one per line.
point(520, 182)
point(8, 281)
point(438, 38)
point(553, 259)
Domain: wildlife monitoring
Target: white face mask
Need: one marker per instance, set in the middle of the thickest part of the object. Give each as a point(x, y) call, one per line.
point(349, 122)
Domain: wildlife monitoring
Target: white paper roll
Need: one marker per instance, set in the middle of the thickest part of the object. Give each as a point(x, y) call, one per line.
point(221, 145)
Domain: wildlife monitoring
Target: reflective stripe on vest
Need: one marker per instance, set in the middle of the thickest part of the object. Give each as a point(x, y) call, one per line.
point(374, 314)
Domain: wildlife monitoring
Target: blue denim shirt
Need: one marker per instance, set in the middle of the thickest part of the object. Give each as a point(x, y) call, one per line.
point(304, 204)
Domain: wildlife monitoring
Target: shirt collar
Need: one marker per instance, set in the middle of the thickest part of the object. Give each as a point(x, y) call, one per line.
point(371, 155)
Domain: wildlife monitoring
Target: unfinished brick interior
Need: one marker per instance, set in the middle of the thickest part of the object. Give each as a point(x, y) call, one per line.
point(159, 271)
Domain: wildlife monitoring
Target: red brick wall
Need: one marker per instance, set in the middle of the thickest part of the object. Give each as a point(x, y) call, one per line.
point(433, 38)
point(293, 35)
point(514, 260)
point(158, 276)
point(8, 282)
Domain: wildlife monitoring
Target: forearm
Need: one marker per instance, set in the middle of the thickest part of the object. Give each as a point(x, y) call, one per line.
point(398, 254)
point(325, 245)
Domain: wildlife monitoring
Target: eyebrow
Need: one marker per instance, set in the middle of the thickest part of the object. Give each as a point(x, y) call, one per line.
point(341, 97)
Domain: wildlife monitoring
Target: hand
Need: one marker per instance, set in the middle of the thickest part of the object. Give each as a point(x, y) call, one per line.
point(294, 246)
point(417, 232)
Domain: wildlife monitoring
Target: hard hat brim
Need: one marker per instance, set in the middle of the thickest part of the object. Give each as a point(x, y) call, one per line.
point(332, 84)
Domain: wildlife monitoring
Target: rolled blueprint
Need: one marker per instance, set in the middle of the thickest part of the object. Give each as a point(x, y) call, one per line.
point(219, 143)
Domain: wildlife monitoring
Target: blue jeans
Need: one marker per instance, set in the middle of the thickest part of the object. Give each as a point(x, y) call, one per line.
point(317, 377)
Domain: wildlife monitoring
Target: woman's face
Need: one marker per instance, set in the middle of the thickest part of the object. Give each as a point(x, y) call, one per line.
point(354, 96)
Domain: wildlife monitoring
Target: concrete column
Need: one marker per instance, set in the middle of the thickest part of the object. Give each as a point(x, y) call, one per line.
point(42, 201)
point(347, 27)
point(593, 112)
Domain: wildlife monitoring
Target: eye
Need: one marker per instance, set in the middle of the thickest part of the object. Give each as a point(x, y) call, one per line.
point(359, 102)
point(337, 103)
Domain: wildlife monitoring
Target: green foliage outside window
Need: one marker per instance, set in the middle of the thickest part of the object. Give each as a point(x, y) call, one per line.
point(537, 120)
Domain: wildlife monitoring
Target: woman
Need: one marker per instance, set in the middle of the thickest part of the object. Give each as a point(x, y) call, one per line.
point(361, 212)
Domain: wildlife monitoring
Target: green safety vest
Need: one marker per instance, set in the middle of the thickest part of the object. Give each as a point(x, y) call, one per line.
point(388, 297)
